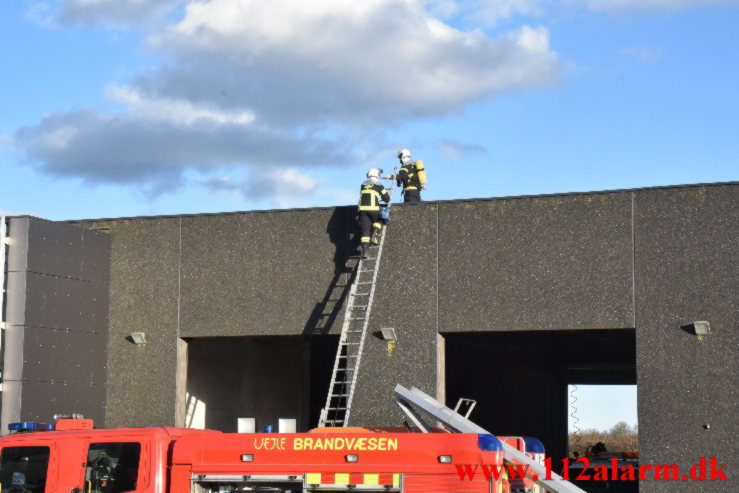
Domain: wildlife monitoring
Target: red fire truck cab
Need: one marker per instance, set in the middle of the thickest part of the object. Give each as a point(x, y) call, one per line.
point(74, 458)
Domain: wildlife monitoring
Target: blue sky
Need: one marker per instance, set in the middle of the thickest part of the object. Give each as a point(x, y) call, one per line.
point(115, 108)
point(601, 406)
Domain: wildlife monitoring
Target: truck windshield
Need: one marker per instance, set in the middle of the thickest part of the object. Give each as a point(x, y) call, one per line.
point(23, 469)
point(112, 467)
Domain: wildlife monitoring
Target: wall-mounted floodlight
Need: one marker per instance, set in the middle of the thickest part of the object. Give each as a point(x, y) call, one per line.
point(389, 335)
point(701, 328)
point(138, 338)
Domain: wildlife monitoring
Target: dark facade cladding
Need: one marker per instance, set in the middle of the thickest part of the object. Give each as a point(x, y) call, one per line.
point(487, 297)
point(56, 316)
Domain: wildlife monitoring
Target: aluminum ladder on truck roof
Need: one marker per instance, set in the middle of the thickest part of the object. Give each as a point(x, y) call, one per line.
point(415, 404)
point(353, 332)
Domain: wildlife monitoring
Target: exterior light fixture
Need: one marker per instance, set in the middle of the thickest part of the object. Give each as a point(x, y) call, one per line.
point(247, 457)
point(445, 459)
point(701, 328)
point(352, 458)
point(138, 338)
point(389, 335)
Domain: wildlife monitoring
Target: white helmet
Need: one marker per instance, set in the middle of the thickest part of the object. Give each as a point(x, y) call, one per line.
point(374, 173)
point(405, 156)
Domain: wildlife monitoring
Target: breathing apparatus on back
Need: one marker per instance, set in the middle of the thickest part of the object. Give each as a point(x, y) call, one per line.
point(405, 159)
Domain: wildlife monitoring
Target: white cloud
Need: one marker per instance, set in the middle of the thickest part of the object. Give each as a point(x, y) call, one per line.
point(40, 13)
point(286, 187)
point(490, 11)
point(456, 151)
point(356, 60)
point(59, 138)
point(135, 149)
point(642, 52)
point(443, 8)
point(7, 140)
point(270, 85)
point(181, 112)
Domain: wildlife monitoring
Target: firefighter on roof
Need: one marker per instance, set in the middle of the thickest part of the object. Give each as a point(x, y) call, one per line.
point(371, 193)
point(411, 176)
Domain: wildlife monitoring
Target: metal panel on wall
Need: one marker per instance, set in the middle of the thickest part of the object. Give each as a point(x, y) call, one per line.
point(59, 313)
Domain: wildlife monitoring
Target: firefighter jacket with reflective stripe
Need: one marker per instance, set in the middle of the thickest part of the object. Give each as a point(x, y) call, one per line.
point(370, 195)
point(408, 177)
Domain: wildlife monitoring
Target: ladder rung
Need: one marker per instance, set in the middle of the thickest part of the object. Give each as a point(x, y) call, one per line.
point(339, 395)
point(336, 408)
point(360, 294)
point(355, 307)
point(347, 356)
point(358, 318)
point(350, 343)
point(334, 421)
point(365, 282)
point(354, 331)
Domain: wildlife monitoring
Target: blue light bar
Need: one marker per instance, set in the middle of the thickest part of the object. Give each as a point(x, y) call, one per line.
point(533, 445)
point(488, 443)
point(28, 426)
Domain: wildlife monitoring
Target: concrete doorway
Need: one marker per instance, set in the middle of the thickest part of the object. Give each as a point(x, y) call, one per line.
point(520, 379)
point(261, 377)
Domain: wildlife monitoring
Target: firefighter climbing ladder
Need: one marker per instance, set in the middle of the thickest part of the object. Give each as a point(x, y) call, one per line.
point(353, 332)
point(415, 404)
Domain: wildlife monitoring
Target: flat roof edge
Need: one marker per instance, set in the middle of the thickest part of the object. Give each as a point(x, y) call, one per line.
point(450, 201)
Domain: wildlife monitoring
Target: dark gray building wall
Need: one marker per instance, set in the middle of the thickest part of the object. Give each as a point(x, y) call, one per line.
point(562, 262)
point(55, 357)
point(610, 260)
point(687, 259)
point(142, 385)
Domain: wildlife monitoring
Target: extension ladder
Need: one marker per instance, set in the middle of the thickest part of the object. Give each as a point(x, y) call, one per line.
point(353, 332)
point(425, 412)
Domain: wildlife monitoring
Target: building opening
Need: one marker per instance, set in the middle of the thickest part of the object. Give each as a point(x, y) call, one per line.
point(602, 428)
point(270, 379)
point(602, 414)
point(520, 379)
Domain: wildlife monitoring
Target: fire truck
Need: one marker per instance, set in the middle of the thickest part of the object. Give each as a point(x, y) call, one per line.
point(456, 456)
point(72, 457)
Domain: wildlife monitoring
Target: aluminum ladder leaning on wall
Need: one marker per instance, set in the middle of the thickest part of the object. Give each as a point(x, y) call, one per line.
point(415, 404)
point(353, 332)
